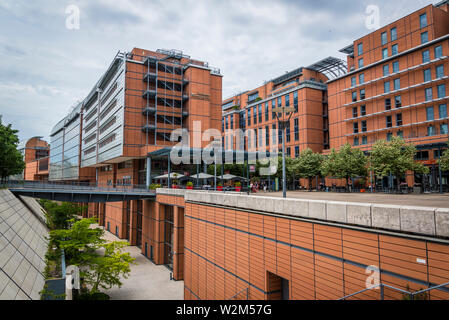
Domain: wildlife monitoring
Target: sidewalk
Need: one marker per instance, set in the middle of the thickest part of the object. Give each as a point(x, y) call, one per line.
point(147, 281)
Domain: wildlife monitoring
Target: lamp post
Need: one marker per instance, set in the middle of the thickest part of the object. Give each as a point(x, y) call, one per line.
point(289, 112)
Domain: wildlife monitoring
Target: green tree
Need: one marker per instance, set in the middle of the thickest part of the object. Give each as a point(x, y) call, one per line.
point(394, 158)
point(345, 163)
point(444, 160)
point(60, 215)
point(106, 270)
point(11, 160)
point(308, 165)
point(102, 264)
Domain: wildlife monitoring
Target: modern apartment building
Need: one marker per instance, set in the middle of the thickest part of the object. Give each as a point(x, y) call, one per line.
point(394, 83)
point(130, 113)
point(35, 153)
point(304, 89)
point(397, 85)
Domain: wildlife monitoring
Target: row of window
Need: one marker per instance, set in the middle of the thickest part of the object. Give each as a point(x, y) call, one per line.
point(430, 115)
point(257, 113)
point(395, 66)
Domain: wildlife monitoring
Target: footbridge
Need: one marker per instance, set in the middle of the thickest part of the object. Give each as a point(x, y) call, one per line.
point(79, 192)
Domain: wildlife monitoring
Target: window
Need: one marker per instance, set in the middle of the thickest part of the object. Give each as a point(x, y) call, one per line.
point(441, 91)
point(429, 94)
point(267, 136)
point(355, 127)
point(388, 104)
point(389, 122)
point(425, 56)
point(295, 100)
point(440, 71)
point(364, 140)
point(274, 132)
point(364, 128)
point(444, 129)
point(289, 152)
point(431, 131)
point(427, 75)
point(273, 105)
point(384, 38)
point(385, 53)
point(296, 128)
point(361, 78)
point(397, 101)
point(255, 138)
point(400, 134)
point(253, 97)
point(260, 113)
point(438, 52)
point(287, 100)
point(280, 102)
point(288, 132)
point(360, 49)
point(394, 50)
point(232, 122)
point(267, 115)
point(363, 110)
point(397, 84)
point(423, 20)
point(389, 136)
point(354, 96)
point(222, 124)
point(394, 34)
point(399, 119)
point(362, 94)
point(442, 110)
point(424, 37)
point(387, 87)
point(386, 70)
point(354, 112)
point(249, 117)
point(356, 141)
point(361, 63)
point(395, 66)
point(429, 113)
point(296, 152)
point(422, 155)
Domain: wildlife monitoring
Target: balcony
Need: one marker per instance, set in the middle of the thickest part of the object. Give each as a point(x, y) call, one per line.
point(149, 94)
point(149, 77)
point(149, 110)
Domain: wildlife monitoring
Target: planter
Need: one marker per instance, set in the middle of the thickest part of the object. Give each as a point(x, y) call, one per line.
point(219, 188)
point(362, 190)
point(238, 189)
point(189, 188)
point(174, 187)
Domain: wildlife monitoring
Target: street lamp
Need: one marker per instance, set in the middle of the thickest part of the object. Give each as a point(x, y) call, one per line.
point(289, 112)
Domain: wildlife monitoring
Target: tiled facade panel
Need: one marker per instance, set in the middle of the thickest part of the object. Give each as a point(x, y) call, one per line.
point(230, 253)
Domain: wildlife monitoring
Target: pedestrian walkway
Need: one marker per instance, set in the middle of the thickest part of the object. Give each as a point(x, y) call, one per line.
point(420, 200)
point(147, 281)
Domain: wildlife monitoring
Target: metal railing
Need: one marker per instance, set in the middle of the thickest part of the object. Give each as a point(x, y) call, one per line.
point(411, 295)
point(76, 186)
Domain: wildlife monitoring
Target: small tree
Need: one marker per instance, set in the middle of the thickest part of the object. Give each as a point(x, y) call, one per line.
point(345, 163)
point(308, 165)
point(59, 216)
point(394, 158)
point(11, 160)
point(444, 160)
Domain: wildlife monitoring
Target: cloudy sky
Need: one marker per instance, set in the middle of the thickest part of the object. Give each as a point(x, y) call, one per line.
point(46, 67)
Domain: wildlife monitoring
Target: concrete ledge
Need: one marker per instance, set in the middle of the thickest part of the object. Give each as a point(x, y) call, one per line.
point(359, 213)
point(386, 217)
point(442, 222)
point(418, 220)
point(171, 192)
point(336, 211)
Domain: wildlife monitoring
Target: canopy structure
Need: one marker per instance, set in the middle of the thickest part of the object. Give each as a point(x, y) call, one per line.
point(173, 175)
point(231, 177)
point(200, 176)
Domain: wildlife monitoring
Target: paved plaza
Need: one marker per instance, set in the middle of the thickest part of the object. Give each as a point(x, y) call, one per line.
point(147, 281)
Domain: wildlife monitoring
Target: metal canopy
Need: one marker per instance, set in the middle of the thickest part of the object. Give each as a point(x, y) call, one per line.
point(332, 67)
